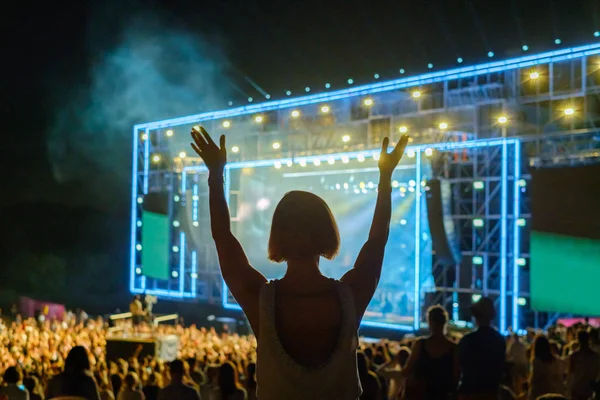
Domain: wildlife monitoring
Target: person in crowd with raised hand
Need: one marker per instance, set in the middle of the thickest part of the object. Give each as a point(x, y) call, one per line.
point(306, 324)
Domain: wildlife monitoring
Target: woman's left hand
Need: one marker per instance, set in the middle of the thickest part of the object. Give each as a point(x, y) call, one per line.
point(214, 157)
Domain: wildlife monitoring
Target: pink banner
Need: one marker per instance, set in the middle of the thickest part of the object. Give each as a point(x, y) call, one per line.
point(32, 308)
point(595, 322)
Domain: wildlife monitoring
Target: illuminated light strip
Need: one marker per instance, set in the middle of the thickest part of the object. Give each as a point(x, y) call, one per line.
point(503, 238)
point(134, 206)
point(183, 182)
point(420, 147)
point(224, 289)
point(146, 160)
point(516, 236)
point(402, 83)
point(120, 316)
point(340, 171)
point(164, 293)
point(195, 203)
point(164, 318)
point(181, 263)
point(194, 272)
point(417, 302)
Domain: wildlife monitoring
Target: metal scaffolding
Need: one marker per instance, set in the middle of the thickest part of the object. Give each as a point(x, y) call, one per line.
point(538, 110)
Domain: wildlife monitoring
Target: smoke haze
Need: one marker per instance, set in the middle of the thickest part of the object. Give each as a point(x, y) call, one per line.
point(153, 69)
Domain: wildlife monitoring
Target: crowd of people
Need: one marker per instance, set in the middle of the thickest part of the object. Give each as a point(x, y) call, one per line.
point(54, 359)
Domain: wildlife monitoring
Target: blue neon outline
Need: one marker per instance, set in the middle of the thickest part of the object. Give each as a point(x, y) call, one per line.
point(384, 86)
point(194, 271)
point(183, 182)
point(181, 263)
point(146, 159)
point(503, 231)
point(417, 302)
point(224, 289)
point(264, 163)
point(134, 205)
point(516, 235)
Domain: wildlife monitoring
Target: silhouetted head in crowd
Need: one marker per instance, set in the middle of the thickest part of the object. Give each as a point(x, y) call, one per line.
point(12, 375)
point(303, 229)
point(542, 350)
point(77, 361)
point(116, 382)
point(403, 355)
point(251, 375)
point(583, 338)
point(484, 312)
point(437, 317)
point(155, 379)
point(131, 381)
point(228, 378)
point(177, 371)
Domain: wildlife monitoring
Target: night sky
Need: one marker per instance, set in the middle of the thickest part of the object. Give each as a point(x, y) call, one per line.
point(51, 49)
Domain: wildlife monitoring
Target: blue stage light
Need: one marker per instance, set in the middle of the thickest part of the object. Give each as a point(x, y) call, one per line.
point(307, 89)
point(250, 99)
point(557, 41)
point(376, 76)
point(525, 47)
point(230, 103)
point(516, 234)
point(267, 96)
point(350, 81)
point(181, 263)
point(503, 234)
point(288, 93)
point(490, 54)
point(327, 85)
point(597, 34)
point(402, 71)
point(430, 65)
point(459, 60)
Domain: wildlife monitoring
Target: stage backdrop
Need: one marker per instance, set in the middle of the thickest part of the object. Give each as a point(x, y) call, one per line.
point(350, 191)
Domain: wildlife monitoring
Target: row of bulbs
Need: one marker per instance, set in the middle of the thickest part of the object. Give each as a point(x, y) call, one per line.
point(368, 102)
point(402, 71)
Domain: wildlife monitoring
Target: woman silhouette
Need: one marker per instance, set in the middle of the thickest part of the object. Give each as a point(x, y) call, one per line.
point(306, 324)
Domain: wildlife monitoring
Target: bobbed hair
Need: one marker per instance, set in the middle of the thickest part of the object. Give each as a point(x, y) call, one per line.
point(438, 315)
point(303, 227)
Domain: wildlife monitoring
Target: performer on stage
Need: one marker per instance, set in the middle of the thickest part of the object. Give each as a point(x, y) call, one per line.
point(137, 310)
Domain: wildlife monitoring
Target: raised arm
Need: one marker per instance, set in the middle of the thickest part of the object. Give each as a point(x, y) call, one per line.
point(243, 280)
point(364, 277)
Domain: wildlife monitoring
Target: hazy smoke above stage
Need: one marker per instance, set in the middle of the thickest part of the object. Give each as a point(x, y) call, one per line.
point(151, 69)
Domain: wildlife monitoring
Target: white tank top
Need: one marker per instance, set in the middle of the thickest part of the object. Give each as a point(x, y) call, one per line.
point(280, 377)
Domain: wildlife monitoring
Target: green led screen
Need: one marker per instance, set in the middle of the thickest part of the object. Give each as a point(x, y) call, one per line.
point(565, 240)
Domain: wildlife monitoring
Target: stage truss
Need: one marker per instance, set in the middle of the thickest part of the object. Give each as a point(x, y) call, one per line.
point(485, 162)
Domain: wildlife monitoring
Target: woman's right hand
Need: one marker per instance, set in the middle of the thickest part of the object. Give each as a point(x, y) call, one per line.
point(214, 157)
